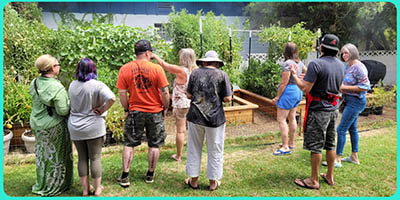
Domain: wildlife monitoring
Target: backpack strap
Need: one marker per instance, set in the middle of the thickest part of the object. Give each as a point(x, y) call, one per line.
point(49, 110)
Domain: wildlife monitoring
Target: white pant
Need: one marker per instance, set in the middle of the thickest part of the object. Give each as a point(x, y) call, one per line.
point(215, 150)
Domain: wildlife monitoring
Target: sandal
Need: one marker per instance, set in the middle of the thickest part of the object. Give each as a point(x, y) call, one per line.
point(290, 147)
point(323, 176)
point(303, 184)
point(218, 184)
point(281, 153)
point(96, 193)
point(348, 159)
point(188, 182)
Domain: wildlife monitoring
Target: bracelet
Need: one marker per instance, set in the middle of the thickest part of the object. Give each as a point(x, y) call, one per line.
point(126, 110)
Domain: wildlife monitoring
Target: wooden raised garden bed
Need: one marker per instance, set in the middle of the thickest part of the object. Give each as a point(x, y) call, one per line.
point(266, 105)
point(240, 114)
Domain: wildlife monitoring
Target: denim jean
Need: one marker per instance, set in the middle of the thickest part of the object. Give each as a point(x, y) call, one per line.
point(354, 106)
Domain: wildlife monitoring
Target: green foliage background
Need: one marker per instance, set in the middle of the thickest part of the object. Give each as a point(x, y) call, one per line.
point(184, 29)
point(369, 25)
point(261, 77)
point(277, 37)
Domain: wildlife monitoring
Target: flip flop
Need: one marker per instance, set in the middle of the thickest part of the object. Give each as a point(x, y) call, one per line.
point(99, 193)
point(348, 159)
point(218, 184)
point(281, 153)
point(188, 183)
point(337, 165)
point(280, 146)
point(323, 176)
point(174, 157)
point(304, 185)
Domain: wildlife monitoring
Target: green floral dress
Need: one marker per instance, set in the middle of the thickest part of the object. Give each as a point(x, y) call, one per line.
point(53, 147)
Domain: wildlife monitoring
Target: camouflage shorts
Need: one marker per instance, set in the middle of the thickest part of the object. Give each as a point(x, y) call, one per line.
point(138, 124)
point(320, 131)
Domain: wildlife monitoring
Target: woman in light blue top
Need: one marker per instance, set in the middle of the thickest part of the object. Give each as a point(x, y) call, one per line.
point(90, 100)
point(288, 98)
point(354, 88)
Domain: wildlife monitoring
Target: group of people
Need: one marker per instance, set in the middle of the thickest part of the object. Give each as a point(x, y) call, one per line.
point(324, 80)
point(59, 117)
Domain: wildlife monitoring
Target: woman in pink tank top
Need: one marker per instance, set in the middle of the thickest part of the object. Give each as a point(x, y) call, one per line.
point(180, 103)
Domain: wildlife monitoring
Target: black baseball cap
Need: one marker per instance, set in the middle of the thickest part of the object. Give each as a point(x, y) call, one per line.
point(142, 46)
point(330, 41)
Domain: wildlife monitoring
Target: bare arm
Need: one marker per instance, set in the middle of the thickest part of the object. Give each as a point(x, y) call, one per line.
point(304, 86)
point(100, 110)
point(165, 97)
point(227, 99)
point(189, 96)
point(351, 88)
point(181, 77)
point(284, 81)
point(123, 98)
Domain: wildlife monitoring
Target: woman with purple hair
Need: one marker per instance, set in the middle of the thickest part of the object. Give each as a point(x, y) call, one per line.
point(90, 100)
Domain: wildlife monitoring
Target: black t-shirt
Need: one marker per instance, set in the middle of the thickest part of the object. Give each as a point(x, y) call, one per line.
point(327, 74)
point(208, 87)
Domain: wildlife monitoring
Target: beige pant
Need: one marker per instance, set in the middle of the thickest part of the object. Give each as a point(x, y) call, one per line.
point(215, 150)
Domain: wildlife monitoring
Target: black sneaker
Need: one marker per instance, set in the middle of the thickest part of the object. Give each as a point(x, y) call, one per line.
point(123, 182)
point(149, 178)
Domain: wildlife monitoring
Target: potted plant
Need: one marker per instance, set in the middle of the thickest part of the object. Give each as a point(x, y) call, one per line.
point(29, 140)
point(7, 135)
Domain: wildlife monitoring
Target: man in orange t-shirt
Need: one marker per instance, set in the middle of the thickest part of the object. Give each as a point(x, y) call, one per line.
point(147, 86)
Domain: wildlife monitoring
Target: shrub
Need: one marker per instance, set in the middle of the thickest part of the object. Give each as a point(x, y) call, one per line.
point(107, 45)
point(17, 101)
point(262, 78)
point(277, 37)
point(115, 121)
point(24, 42)
point(184, 31)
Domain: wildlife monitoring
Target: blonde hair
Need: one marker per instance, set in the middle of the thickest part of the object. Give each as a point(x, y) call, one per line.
point(187, 58)
point(44, 63)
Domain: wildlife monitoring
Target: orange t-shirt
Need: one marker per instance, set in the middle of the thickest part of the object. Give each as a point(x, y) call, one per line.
point(143, 80)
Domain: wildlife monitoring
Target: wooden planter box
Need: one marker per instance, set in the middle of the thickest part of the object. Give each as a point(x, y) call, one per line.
point(266, 105)
point(242, 114)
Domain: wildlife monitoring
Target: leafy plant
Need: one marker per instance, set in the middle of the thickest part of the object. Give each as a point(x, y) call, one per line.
point(184, 30)
point(17, 101)
point(107, 45)
point(261, 77)
point(382, 97)
point(115, 121)
point(24, 42)
point(277, 37)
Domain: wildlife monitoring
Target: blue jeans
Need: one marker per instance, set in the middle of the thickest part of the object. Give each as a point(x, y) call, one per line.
point(352, 109)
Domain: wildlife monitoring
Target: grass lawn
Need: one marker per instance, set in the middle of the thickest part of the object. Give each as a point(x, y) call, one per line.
point(250, 169)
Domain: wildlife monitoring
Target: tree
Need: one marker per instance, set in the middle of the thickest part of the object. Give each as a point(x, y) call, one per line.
point(348, 20)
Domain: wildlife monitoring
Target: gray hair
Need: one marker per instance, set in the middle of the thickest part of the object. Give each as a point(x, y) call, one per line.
point(353, 51)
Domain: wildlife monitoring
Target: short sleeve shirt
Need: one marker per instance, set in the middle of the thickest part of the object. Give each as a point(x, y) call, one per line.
point(83, 123)
point(208, 87)
point(143, 80)
point(357, 74)
point(327, 74)
point(286, 68)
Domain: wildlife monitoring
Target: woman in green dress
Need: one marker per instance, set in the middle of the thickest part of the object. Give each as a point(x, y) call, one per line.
point(53, 147)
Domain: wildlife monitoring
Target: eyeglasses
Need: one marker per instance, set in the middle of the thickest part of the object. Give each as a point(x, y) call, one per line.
point(57, 65)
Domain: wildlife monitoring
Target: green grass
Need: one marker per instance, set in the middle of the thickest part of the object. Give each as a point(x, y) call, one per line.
point(250, 169)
